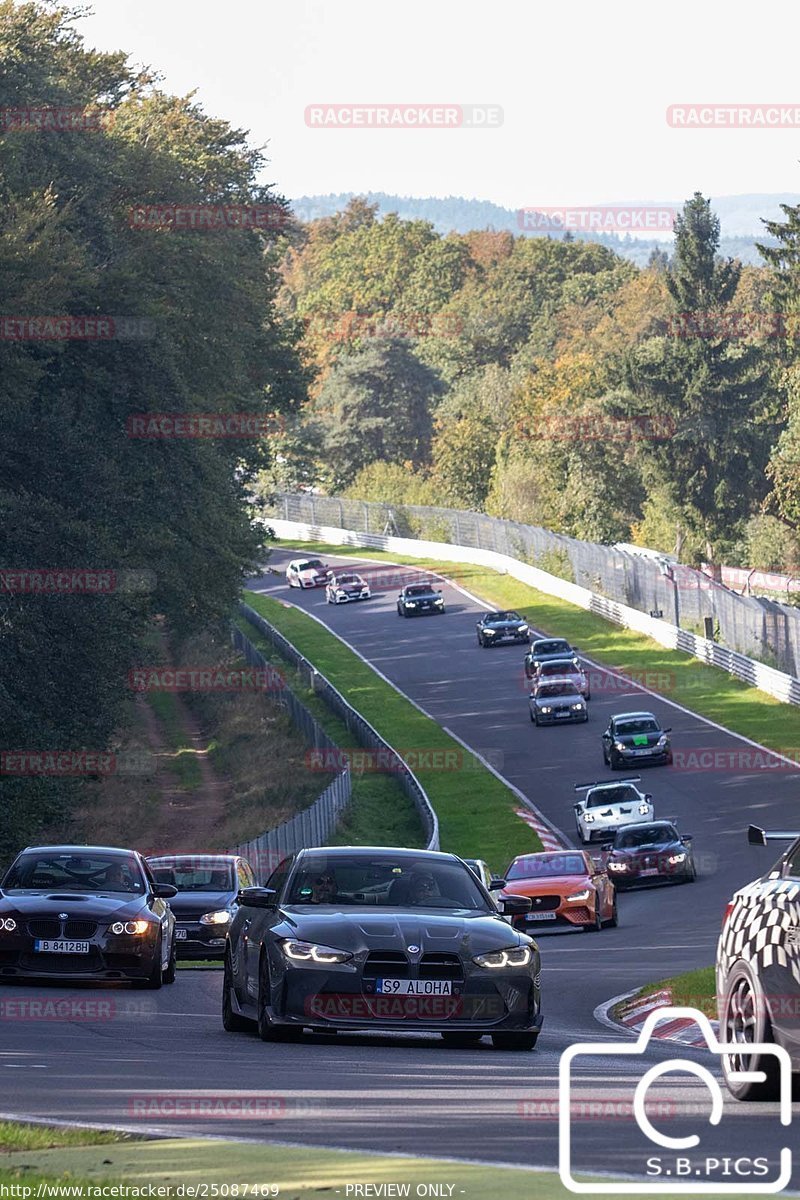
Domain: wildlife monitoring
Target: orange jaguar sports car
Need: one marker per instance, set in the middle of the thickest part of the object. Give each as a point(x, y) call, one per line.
point(567, 888)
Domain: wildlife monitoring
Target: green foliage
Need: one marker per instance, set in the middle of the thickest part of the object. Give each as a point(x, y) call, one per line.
point(390, 483)
point(76, 490)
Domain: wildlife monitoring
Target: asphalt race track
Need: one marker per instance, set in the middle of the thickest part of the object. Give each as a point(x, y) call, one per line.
point(110, 1063)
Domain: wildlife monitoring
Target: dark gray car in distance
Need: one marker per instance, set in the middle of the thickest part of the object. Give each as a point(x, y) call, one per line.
point(205, 904)
point(375, 938)
point(418, 598)
point(503, 626)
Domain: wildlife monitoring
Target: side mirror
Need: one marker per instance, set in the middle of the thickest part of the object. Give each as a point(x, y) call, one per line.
point(439, 590)
point(163, 891)
point(516, 905)
point(256, 897)
point(667, 730)
point(648, 796)
point(687, 839)
point(495, 883)
point(578, 807)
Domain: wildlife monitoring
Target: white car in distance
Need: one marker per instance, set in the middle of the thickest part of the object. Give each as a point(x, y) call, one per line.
point(307, 573)
point(607, 806)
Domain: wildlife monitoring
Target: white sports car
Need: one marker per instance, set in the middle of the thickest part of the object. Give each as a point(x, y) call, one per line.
point(307, 573)
point(608, 806)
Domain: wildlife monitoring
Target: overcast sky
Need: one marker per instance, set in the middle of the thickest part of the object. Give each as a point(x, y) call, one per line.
point(584, 88)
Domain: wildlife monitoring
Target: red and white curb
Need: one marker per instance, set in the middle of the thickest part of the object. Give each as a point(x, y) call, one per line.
point(548, 839)
point(629, 1012)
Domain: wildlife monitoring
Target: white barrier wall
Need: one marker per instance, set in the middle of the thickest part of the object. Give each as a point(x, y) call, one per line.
point(775, 683)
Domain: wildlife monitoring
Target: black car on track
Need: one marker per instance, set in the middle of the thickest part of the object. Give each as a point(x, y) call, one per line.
point(557, 702)
point(497, 628)
point(635, 738)
point(418, 598)
point(205, 903)
point(361, 938)
point(544, 649)
point(650, 853)
point(85, 912)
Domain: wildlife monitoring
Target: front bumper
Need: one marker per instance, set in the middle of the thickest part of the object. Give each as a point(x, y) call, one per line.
point(127, 958)
point(201, 941)
point(665, 875)
point(499, 639)
point(420, 610)
point(341, 999)
point(572, 718)
point(653, 755)
point(571, 916)
point(350, 598)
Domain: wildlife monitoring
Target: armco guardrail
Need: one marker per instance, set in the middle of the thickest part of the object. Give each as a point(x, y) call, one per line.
point(361, 730)
point(775, 683)
point(315, 824)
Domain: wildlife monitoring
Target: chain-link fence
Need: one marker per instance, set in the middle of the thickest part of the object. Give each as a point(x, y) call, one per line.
point(759, 628)
point(390, 761)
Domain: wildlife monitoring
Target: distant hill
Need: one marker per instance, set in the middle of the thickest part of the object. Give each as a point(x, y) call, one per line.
point(740, 218)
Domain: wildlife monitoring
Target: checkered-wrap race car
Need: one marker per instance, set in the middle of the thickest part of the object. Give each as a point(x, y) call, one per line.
point(758, 970)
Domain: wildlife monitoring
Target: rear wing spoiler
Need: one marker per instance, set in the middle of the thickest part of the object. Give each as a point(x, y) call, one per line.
point(757, 836)
point(587, 787)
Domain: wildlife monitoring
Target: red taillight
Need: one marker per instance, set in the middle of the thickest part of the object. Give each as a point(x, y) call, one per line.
point(727, 913)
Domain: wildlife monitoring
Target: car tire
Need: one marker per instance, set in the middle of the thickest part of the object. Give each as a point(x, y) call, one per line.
point(172, 965)
point(480, 642)
point(588, 697)
point(613, 762)
point(605, 755)
point(535, 720)
point(268, 1031)
point(744, 1012)
point(156, 977)
point(581, 837)
point(515, 1041)
point(461, 1041)
point(597, 924)
point(613, 920)
point(231, 1021)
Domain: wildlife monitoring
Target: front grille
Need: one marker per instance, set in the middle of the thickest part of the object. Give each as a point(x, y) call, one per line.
point(80, 929)
point(440, 966)
point(391, 963)
point(67, 964)
point(581, 916)
point(545, 903)
point(44, 928)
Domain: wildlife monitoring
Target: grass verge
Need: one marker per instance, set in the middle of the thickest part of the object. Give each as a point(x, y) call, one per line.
point(692, 989)
point(476, 810)
point(677, 676)
point(303, 1173)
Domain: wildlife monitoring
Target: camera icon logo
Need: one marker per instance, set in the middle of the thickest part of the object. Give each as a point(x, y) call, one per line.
point(685, 1174)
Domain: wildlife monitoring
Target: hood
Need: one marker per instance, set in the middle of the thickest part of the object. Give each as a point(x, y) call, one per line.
point(547, 657)
point(431, 595)
point(504, 624)
point(363, 929)
point(652, 848)
point(351, 587)
point(313, 573)
point(201, 901)
point(93, 907)
point(570, 698)
point(544, 886)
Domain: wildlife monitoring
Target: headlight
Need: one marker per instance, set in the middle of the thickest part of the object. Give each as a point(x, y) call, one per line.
point(439, 600)
point(488, 632)
point(619, 745)
point(584, 895)
point(517, 956)
point(339, 592)
point(588, 818)
point(8, 924)
point(662, 741)
point(615, 866)
point(545, 708)
point(309, 952)
point(644, 809)
point(220, 917)
point(576, 707)
point(133, 928)
point(674, 859)
point(410, 603)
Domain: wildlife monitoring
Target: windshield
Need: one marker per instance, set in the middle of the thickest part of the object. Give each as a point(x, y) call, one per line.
point(612, 795)
point(310, 564)
point(559, 666)
point(499, 617)
point(72, 872)
point(646, 835)
point(537, 866)
point(548, 690)
point(640, 725)
point(559, 647)
point(390, 882)
point(195, 875)
point(419, 589)
point(349, 579)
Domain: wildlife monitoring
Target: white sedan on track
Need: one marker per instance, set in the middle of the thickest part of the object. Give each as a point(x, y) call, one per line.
point(608, 806)
point(307, 573)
